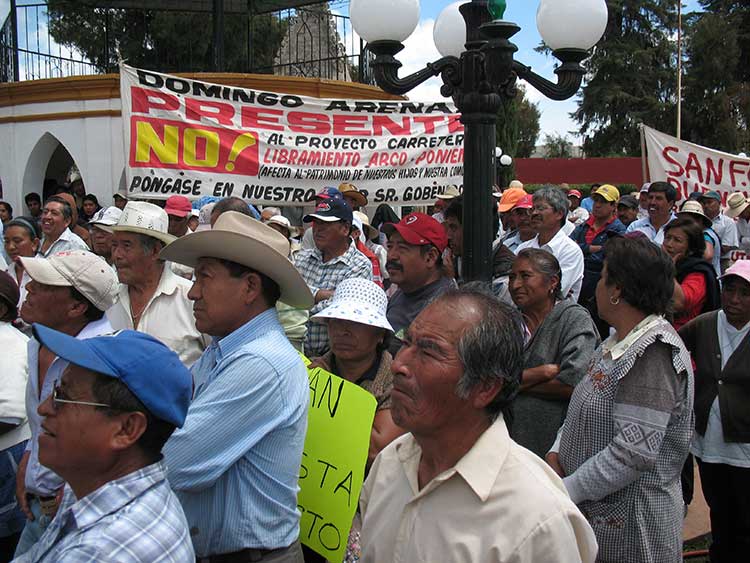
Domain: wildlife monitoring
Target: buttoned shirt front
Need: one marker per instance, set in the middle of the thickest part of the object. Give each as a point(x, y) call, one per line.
point(570, 257)
point(41, 480)
point(499, 503)
point(68, 240)
point(134, 519)
point(168, 316)
point(726, 228)
point(235, 463)
point(327, 275)
point(712, 447)
point(644, 225)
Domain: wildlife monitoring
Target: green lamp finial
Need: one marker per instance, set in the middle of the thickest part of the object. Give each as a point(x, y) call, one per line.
point(496, 8)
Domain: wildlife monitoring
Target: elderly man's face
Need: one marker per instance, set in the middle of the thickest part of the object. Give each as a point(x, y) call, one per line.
point(427, 369)
point(130, 258)
point(735, 300)
point(73, 434)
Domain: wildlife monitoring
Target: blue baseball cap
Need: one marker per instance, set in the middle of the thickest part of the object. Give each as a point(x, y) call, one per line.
point(711, 195)
point(330, 210)
point(152, 372)
point(329, 193)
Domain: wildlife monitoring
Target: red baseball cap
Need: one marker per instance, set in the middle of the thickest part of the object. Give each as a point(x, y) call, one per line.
point(526, 202)
point(178, 205)
point(574, 193)
point(419, 229)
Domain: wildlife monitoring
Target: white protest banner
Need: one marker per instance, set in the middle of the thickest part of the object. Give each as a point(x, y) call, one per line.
point(193, 138)
point(690, 167)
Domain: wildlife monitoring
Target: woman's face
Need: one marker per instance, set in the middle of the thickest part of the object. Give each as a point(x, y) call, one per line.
point(18, 242)
point(89, 207)
point(676, 244)
point(528, 287)
point(353, 341)
point(4, 214)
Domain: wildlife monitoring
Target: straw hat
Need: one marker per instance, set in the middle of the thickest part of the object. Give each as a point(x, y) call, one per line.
point(246, 241)
point(144, 219)
point(736, 204)
point(370, 232)
point(451, 192)
point(357, 300)
point(694, 208)
point(352, 191)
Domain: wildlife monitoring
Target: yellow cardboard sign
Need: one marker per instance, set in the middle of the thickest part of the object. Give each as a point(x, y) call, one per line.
point(333, 463)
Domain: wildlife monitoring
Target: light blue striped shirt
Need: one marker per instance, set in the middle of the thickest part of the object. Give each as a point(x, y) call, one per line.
point(235, 463)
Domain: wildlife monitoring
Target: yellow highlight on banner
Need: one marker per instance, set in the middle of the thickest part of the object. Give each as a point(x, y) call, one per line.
point(147, 140)
point(333, 463)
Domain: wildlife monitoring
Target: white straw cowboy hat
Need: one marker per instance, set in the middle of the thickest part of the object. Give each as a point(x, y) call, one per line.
point(736, 204)
point(357, 300)
point(246, 241)
point(144, 219)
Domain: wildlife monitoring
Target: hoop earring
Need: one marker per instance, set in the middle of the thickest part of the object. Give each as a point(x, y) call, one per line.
point(614, 300)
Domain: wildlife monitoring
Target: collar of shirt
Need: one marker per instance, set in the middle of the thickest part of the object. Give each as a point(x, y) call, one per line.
point(112, 496)
point(646, 222)
point(555, 243)
point(616, 348)
point(346, 257)
point(259, 325)
point(479, 467)
point(730, 337)
point(66, 235)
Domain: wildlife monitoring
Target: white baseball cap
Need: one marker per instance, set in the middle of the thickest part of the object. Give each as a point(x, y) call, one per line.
point(88, 273)
point(106, 217)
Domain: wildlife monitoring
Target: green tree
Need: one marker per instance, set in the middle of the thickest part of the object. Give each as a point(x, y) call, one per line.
point(716, 94)
point(517, 131)
point(557, 146)
point(162, 40)
point(632, 78)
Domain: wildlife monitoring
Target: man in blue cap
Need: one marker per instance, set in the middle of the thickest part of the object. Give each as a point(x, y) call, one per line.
point(105, 423)
point(334, 259)
point(723, 226)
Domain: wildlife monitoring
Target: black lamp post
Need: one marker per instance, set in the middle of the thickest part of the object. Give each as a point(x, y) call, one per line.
point(477, 79)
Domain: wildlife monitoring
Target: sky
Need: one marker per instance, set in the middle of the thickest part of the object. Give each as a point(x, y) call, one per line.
point(420, 49)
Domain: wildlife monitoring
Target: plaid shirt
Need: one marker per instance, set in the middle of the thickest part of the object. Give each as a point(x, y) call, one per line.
point(327, 275)
point(136, 518)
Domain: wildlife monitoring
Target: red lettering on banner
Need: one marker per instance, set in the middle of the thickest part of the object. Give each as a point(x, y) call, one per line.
point(160, 143)
point(454, 124)
point(303, 122)
point(145, 100)
point(714, 174)
point(429, 122)
point(381, 122)
point(693, 165)
point(220, 112)
point(350, 124)
point(261, 118)
point(665, 153)
point(735, 170)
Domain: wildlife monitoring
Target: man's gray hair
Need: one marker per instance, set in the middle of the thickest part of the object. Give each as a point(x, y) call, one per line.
point(490, 350)
point(556, 198)
point(148, 244)
point(274, 210)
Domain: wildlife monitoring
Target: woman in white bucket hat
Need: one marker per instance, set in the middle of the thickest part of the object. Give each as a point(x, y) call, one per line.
point(359, 333)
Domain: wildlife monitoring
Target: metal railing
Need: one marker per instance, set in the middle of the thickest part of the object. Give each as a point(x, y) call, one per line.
point(311, 41)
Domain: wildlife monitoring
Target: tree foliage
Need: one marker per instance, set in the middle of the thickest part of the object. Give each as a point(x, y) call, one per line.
point(716, 100)
point(517, 130)
point(163, 40)
point(557, 146)
point(631, 78)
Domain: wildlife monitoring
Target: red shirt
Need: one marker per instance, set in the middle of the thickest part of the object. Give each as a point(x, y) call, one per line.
point(377, 277)
point(591, 234)
point(694, 288)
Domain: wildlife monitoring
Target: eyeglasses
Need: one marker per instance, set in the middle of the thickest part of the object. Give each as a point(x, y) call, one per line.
point(56, 400)
point(540, 208)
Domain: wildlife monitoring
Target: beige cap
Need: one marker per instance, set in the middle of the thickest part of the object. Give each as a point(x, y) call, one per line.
point(88, 273)
point(736, 204)
point(145, 219)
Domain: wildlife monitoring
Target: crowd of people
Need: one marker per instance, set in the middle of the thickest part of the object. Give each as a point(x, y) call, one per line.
point(153, 395)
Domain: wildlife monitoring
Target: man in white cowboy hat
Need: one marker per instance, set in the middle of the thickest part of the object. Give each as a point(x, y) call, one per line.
point(235, 463)
point(738, 208)
point(152, 298)
point(69, 292)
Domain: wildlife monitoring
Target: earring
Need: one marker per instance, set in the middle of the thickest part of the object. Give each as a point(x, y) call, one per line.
point(614, 300)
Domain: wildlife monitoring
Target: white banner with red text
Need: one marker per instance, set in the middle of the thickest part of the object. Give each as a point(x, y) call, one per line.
point(690, 167)
point(184, 136)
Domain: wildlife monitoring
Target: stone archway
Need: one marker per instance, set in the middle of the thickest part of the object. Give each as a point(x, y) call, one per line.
point(49, 156)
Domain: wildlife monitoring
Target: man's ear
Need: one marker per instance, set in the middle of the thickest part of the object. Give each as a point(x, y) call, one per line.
point(128, 430)
point(484, 393)
point(253, 288)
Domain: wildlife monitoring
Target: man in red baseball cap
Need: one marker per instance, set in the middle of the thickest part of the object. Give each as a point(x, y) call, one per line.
point(415, 265)
point(178, 209)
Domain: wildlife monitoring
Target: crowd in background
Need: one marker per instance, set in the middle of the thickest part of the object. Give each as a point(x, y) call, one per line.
point(553, 414)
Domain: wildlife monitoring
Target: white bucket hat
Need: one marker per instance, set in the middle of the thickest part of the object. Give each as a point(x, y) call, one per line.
point(145, 219)
point(246, 241)
point(360, 301)
point(281, 221)
point(736, 204)
point(106, 218)
point(88, 273)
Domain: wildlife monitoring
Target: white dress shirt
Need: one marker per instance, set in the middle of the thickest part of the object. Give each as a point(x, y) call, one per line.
point(499, 503)
point(168, 316)
point(68, 240)
point(14, 372)
point(726, 228)
point(743, 235)
point(644, 225)
point(570, 257)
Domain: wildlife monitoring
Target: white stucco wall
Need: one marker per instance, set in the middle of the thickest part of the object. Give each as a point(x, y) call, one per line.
point(95, 143)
